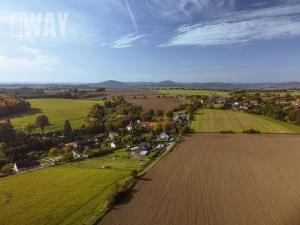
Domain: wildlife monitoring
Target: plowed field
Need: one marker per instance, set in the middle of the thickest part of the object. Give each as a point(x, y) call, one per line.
point(214, 179)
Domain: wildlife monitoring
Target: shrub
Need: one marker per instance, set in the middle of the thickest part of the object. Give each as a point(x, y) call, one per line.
point(53, 152)
point(119, 191)
point(134, 174)
point(67, 156)
point(251, 131)
point(6, 169)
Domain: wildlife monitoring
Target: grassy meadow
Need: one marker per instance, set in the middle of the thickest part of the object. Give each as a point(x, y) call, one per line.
point(211, 120)
point(193, 92)
point(57, 110)
point(72, 194)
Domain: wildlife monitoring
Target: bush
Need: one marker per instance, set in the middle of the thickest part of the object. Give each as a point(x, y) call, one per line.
point(119, 192)
point(67, 156)
point(251, 131)
point(53, 152)
point(6, 169)
point(134, 174)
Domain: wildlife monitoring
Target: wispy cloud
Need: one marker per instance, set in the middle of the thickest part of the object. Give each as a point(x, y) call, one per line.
point(125, 41)
point(241, 27)
point(35, 60)
point(132, 17)
point(180, 9)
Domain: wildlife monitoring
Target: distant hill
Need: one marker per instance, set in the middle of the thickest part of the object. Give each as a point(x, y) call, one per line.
point(216, 86)
point(112, 84)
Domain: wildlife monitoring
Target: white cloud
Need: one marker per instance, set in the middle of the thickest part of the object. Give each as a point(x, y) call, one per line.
point(180, 9)
point(241, 27)
point(35, 61)
point(125, 41)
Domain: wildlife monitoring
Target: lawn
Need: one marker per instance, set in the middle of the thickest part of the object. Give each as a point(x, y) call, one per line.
point(193, 92)
point(72, 194)
point(209, 120)
point(58, 111)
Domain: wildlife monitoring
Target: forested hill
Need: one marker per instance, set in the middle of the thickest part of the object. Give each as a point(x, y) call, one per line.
point(10, 105)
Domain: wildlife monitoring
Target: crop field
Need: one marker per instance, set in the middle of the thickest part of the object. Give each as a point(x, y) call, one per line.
point(129, 92)
point(219, 179)
point(193, 92)
point(209, 120)
point(58, 111)
point(72, 194)
point(282, 93)
point(164, 103)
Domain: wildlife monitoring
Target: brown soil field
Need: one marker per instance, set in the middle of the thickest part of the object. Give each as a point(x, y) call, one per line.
point(165, 103)
point(129, 92)
point(215, 179)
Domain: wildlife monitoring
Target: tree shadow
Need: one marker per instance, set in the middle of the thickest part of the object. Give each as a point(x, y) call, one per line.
point(31, 112)
point(125, 199)
point(145, 179)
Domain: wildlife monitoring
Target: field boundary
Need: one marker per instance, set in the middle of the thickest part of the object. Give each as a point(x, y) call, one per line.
point(141, 173)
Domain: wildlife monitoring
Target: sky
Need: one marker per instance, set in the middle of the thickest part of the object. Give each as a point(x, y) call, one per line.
point(150, 40)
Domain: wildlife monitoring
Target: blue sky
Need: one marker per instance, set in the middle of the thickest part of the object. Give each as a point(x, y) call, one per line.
point(155, 40)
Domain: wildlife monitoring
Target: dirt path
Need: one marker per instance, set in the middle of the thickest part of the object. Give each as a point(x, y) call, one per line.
point(213, 179)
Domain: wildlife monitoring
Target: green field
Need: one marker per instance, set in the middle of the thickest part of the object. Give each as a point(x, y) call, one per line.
point(57, 110)
point(72, 194)
point(193, 92)
point(282, 93)
point(209, 120)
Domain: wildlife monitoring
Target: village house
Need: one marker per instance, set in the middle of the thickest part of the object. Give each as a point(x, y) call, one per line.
point(143, 154)
point(254, 103)
point(113, 145)
point(281, 101)
point(163, 136)
point(220, 101)
point(296, 103)
point(145, 146)
point(130, 126)
point(113, 135)
point(181, 119)
point(24, 165)
point(101, 137)
point(148, 124)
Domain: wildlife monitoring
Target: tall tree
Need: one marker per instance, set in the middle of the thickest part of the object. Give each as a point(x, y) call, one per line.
point(68, 131)
point(42, 121)
point(7, 132)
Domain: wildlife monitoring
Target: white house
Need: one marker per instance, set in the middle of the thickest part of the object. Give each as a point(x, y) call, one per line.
point(144, 153)
point(76, 155)
point(113, 145)
point(163, 136)
point(16, 169)
point(130, 126)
